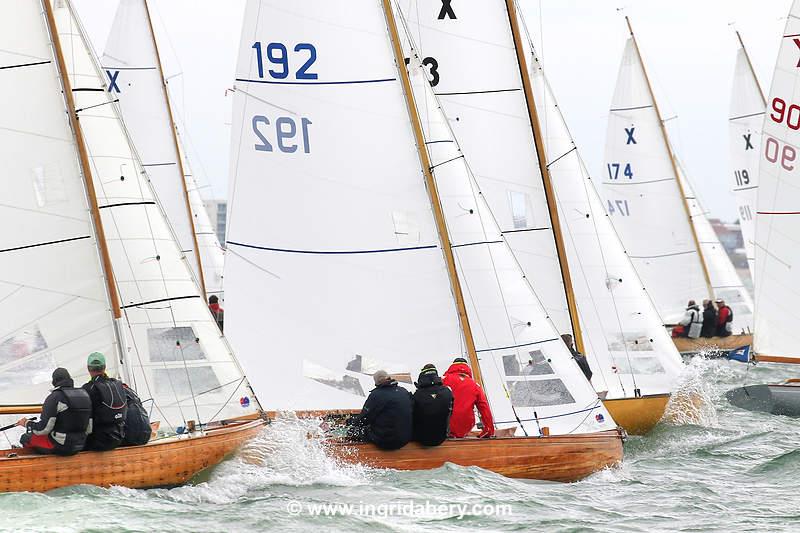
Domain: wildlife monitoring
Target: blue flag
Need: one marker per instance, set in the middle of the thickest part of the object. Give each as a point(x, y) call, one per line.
point(740, 354)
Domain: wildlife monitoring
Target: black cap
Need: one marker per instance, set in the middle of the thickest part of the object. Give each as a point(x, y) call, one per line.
point(61, 378)
point(460, 360)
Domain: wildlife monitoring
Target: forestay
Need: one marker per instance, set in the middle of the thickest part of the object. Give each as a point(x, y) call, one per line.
point(778, 215)
point(725, 282)
point(175, 350)
point(643, 198)
point(387, 301)
point(488, 113)
point(744, 125)
point(133, 73)
point(55, 307)
point(627, 346)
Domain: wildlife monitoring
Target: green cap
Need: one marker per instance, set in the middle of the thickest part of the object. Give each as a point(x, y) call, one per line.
point(96, 360)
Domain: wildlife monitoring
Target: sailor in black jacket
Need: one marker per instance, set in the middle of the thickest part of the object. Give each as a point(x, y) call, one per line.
point(433, 405)
point(109, 406)
point(386, 417)
point(65, 421)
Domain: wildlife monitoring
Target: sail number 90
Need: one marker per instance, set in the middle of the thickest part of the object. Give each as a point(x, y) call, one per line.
point(773, 152)
point(791, 114)
point(285, 133)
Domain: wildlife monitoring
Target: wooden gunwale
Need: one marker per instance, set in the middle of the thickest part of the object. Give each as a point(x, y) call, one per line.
point(731, 342)
point(160, 463)
point(564, 458)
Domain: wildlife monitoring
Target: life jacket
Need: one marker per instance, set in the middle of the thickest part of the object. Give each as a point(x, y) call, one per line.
point(433, 404)
point(137, 423)
point(109, 405)
point(69, 432)
point(730, 314)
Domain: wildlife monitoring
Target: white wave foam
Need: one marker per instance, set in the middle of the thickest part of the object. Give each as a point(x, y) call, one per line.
point(692, 401)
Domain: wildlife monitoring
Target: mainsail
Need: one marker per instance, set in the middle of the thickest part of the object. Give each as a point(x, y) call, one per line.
point(778, 216)
point(745, 122)
point(334, 255)
point(175, 351)
point(55, 306)
point(134, 76)
point(654, 209)
point(628, 348)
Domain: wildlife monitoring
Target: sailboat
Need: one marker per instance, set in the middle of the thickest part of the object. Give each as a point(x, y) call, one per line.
point(658, 216)
point(358, 238)
point(536, 185)
point(92, 265)
point(776, 225)
point(136, 79)
point(746, 118)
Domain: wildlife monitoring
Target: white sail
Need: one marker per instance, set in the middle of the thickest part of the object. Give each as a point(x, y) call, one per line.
point(55, 307)
point(176, 353)
point(643, 199)
point(521, 354)
point(744, 124)
point(509, 325)
point(621, 330)
point(725, 282)
point(625, 341)
point(131, 65)
point(778, 215)
point(489, 116)
point(333, 257)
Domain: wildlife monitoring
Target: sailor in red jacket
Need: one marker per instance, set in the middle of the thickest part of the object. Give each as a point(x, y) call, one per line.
point(467, 395)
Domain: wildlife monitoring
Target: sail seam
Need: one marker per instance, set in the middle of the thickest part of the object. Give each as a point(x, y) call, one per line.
point(333, 252)
point(557, 159)
point(637, 182)
point(130, 68)
point(60, 241)
point(448, 161)
point(8, 67)
point(343, 82)
point(158, 164)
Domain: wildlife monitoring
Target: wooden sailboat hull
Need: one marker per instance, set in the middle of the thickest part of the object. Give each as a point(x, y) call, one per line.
point(161, 463)
point(638, 415)
point(777, 399)
point(558, 458)
point(689, 346)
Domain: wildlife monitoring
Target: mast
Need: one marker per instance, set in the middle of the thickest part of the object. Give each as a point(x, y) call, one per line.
point(84, 162)
point(752, 70)
point(438, 213)
point(673, 163)
point(549, 192)
point(172, 126)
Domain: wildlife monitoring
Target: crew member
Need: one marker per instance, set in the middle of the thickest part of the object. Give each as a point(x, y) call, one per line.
point(583, 363)
point(386, 418)
point(65, 421)
point(137, 422)
point(109, 406)
point(467, 395)
point(216, 310)
point(724, 319)
point(709, 319)
point(433, 405)
point(692, 321)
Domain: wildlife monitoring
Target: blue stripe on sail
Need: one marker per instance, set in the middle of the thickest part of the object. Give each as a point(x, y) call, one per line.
point(332, 252)
point(345, 82)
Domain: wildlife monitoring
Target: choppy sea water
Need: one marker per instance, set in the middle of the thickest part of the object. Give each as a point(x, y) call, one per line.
point(715, 468)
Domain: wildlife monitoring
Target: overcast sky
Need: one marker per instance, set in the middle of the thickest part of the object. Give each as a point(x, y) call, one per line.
point(688, 46)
